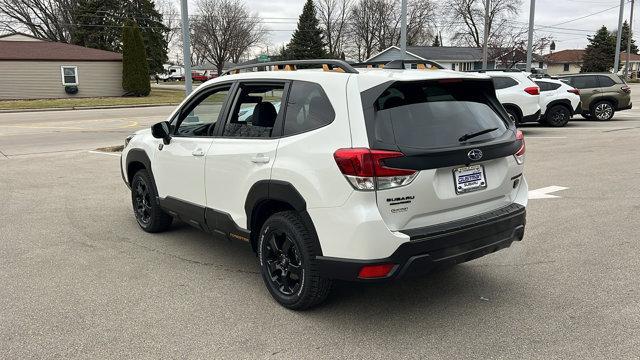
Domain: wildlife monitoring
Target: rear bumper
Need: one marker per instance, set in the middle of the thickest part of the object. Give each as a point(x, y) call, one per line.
point(531, 118)
point(625, 107)
point(439, 245)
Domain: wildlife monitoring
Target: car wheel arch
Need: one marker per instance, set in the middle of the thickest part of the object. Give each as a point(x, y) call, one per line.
point(515, 108)
point(137, 159)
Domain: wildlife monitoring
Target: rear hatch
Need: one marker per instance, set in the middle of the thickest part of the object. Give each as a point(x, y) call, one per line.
point(457, 137)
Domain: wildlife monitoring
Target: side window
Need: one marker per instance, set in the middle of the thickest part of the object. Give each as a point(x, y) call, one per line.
point(547, 86)
point(605, 81)
point(255, 111)
point(503, 82)
point(69, 75)
point(199, 118)
point(308, 108)
point(584, 82)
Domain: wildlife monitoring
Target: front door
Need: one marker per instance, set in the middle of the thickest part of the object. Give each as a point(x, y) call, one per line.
point(243, 151)
point(179, 165)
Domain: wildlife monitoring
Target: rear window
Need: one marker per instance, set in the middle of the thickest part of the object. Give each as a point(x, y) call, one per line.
point(547, 86)
point(435, 114)
point(502, 82)
point(584, 82)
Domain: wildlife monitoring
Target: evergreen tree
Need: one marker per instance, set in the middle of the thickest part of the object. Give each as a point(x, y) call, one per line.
point(99, 24)
point(306, 42)
point(135, 69)
point(600, 52)
point(436, 42)
point(626, 34)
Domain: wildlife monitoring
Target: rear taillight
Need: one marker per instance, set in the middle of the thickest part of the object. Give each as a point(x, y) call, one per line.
point(574, 91)
point(626, 89)
point(532, 90)
point(375, 271)
point(365, 171)
point(519, 155)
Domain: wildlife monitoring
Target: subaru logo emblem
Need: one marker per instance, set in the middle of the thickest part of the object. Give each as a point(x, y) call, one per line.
point(475, 154)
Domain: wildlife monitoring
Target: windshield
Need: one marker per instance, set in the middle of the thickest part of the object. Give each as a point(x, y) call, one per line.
point(436, 114)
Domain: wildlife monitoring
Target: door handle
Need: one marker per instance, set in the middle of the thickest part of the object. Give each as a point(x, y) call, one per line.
point(595, 91)
point(198, 152)
point(260, 159)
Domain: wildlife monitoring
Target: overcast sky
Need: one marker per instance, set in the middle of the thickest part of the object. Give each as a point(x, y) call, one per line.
point(281, 16)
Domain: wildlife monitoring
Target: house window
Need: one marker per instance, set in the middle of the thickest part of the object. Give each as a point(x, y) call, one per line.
point(69, 75)
point(566, 67)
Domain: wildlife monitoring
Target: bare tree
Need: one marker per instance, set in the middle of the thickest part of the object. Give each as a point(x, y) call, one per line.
point(467, 19)
point(375, 25)
point(224, 30)
point(46, 19)
point(334, 16)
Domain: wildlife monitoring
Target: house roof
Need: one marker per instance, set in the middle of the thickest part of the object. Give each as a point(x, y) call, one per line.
point(632, 57)
point(446, 52)
point(566, 56)
point(48, 50)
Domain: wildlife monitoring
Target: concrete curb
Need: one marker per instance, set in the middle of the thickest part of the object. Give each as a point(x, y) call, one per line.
point(7, 111)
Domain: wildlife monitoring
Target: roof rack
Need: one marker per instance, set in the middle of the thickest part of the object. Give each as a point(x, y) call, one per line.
point(400, 64)
point(496, 70)
point(291, 65)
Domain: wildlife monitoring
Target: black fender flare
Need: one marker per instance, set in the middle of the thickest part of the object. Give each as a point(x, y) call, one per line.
point(273, 190)
point(140, 156)
point(565, 102)
point(514, 106)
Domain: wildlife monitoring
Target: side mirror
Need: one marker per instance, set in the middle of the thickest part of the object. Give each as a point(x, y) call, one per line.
point(162, 131)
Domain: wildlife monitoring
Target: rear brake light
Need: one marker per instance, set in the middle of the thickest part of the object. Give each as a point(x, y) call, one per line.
point(626, 89)
point(375, 271)
point(574, 91)
point(519, 155)
point(532, 90)
point(365, 171)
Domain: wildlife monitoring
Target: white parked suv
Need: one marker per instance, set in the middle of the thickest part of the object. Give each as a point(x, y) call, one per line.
point(558, 102)
point(518, 94)
point(343, 173)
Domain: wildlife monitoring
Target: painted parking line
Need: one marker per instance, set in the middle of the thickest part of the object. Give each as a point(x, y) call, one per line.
point(545, 137)
point(104, 153)
point(544, 193)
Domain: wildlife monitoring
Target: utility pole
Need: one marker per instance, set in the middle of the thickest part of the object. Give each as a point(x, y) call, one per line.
point(486, 34)
point(186, 46)
point(532, 15)
point(626, 68)
point(616, 61)
point(403, 31)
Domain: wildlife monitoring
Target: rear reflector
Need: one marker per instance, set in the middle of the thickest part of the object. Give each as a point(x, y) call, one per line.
point(365, 171)
point(574, 91)
point(375, 271)
point(519, 155)
point(532, 90)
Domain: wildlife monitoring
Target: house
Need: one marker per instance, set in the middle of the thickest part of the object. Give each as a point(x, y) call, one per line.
point(450, 57)
point(565, 62)
point(34, 69)
point(461, 58)
point(634, 64)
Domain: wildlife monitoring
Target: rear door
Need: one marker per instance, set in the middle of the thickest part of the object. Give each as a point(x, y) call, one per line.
point(548, 93)
point(589, 89)
point(243, 151)
point(427, 122)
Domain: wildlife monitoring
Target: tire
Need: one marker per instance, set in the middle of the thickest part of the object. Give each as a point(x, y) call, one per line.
point(147, 211)
point(602, 110)
point(557, 116)
point(513, 113)
point(287, 252)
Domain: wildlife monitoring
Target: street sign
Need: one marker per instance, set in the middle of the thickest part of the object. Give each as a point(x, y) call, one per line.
point(264, 58)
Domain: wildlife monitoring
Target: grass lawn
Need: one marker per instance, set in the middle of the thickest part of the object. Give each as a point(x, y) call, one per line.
point(157, 96)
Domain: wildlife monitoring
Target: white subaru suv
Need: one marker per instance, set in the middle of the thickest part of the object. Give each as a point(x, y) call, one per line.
point(336, 173)
point(558, 102)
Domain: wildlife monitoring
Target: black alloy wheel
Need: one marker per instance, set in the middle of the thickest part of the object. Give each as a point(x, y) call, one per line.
point(283, 262)
point(287, 250)
point(146, 209)
point(558, 116)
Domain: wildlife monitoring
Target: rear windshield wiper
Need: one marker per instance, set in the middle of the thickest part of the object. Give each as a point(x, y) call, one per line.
point(466, 137)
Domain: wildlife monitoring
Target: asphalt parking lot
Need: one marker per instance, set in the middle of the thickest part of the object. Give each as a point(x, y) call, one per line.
point(79, 279)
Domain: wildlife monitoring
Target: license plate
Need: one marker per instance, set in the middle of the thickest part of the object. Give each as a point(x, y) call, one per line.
point(469, 178)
